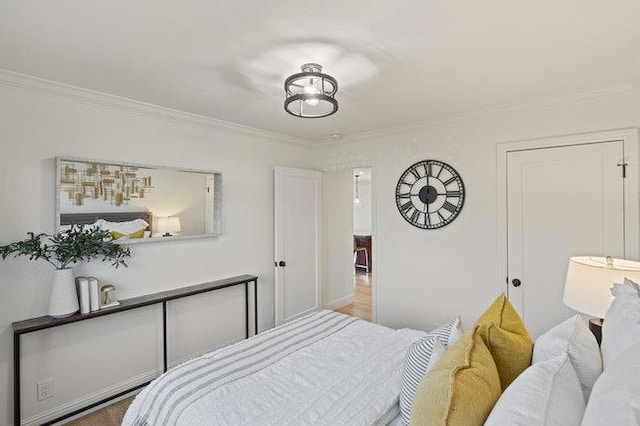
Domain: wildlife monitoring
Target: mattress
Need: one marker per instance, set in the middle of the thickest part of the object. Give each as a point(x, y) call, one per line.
point(323, 369)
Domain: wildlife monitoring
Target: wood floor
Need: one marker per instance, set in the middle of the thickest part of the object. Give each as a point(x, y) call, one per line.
point(361, 306)
point(113, 414)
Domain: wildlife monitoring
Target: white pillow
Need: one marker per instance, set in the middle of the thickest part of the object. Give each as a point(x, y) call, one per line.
point(421, 356)
point(545, 394)
point(572, 337)
point(615, 399)
point(621, 326)
point(439, 349)
point(127, 227)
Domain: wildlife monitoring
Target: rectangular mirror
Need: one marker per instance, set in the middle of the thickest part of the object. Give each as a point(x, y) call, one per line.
point(138, 203)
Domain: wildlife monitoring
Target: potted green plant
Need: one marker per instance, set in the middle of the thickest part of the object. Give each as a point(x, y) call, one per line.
point(62, 250)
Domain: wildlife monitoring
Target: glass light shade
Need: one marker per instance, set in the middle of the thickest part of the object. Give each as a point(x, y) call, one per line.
point(168, 225)
point(589, 280)
point(310, 93)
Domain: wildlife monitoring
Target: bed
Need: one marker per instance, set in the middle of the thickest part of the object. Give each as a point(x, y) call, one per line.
point(332, 369)
point(324, 369)
point(91, 218)
point(124, 225)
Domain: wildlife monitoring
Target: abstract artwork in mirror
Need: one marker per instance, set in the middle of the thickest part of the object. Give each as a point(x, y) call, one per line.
point(138, 203)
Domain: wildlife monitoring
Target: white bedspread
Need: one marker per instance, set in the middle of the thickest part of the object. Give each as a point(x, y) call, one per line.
point(324, 369)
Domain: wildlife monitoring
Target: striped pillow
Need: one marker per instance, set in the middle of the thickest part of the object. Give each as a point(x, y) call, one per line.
point(421, 356)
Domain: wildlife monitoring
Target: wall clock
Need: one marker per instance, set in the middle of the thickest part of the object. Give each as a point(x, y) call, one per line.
point(430, 194)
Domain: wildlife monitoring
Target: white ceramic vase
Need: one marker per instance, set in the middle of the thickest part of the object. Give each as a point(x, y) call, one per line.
point(63, 300)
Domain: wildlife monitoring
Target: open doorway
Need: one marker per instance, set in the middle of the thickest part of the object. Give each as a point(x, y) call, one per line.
point(362, 270)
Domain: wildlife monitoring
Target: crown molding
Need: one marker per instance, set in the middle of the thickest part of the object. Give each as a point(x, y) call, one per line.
point(608, 92)
point(25, 82)
point(29, 83)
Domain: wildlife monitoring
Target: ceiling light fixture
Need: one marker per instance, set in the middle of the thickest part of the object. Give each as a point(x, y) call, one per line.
point(310, 94)
point(357, 200)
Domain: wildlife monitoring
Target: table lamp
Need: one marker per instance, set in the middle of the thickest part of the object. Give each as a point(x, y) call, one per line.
point(168, 226)
point(588, 284)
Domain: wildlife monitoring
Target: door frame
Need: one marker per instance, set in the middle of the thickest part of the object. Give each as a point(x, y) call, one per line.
point(279, 173)
point(375, 245)
point(629, 137)
point(374, 241)
point(348, 277)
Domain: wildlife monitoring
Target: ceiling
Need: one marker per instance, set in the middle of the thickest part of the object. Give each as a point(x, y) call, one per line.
point(396, 62)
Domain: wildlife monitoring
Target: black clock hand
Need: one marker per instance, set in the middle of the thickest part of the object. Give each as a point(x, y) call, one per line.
point(427, 203)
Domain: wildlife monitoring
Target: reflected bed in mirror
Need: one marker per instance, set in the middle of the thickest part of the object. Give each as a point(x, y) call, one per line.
point(138, 203)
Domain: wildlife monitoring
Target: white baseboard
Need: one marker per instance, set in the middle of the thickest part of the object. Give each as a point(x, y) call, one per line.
point(338, 303)
point(61, 410)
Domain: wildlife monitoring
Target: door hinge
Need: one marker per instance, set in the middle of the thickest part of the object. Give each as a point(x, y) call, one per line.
point(623, 164)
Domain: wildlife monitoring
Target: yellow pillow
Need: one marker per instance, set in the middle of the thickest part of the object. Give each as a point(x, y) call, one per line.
point(117, 235)
point(507, 338)
point(461, 388)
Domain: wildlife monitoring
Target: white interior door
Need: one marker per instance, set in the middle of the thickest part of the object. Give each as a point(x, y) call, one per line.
point(297, 243)
point(561, 201)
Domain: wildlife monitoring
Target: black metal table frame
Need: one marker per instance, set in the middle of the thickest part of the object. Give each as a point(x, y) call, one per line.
point(42, 323)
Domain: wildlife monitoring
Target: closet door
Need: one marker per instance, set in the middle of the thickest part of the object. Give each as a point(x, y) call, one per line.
point(561, 201)
point(298, 278)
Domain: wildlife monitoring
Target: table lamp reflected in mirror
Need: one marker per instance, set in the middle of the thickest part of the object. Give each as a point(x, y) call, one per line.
point(588, 284)
point(168, 226)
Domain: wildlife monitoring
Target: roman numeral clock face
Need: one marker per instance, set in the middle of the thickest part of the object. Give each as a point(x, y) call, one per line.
point(430, 194)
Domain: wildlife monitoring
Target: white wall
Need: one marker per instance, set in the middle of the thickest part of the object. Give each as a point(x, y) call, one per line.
point(36, 126)
point(425, 277)
point(422, 277)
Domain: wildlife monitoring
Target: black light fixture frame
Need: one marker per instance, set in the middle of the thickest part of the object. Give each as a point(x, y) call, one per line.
point(327, 96)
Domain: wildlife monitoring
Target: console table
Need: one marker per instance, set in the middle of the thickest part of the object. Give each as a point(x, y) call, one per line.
point(42, 323)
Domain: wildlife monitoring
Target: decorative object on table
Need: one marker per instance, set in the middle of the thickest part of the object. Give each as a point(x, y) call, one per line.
point(430, 194)
point(168, 226)
point(63, 299)
point(107, 298)
point(310, 93)
point(63, 249)
point(94, 293)
point(588, 284)
point(83, 295)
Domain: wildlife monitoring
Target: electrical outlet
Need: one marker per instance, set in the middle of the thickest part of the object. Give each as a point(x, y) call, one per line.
point(45, 389)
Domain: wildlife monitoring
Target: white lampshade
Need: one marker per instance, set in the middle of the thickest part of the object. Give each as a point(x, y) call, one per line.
point(589, 280)
point(168, 225)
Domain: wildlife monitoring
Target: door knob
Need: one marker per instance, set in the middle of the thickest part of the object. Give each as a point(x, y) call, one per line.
point(516, 282)
point(282, 263)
